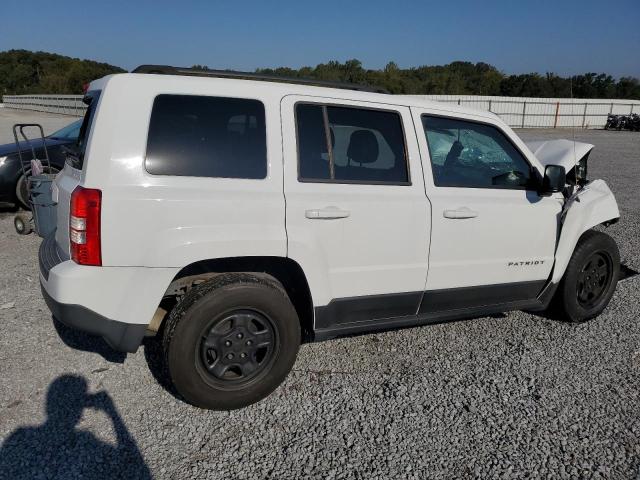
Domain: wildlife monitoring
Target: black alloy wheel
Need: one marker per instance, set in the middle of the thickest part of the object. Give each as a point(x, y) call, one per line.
point(594, 279)
point(231, 340)
point(236, 348)
point(589, 280)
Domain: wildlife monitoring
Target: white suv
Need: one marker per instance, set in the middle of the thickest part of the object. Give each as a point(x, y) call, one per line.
point(237, 217)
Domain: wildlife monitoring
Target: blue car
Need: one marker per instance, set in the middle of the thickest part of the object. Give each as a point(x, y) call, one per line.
point(13, 187)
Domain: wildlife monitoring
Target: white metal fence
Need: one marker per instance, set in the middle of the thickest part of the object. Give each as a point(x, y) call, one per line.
point(527, 112)
point(518, 112)
point(62, 104)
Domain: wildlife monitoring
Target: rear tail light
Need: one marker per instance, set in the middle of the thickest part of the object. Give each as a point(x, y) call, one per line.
point(84, 226)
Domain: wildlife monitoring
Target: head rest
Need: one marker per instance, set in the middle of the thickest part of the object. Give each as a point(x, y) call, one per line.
point(456, 148)
point(363, 147)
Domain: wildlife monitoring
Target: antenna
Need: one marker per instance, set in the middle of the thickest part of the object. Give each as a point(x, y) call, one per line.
point(573, 124)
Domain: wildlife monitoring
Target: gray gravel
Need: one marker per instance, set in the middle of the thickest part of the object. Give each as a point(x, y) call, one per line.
point(507, 396)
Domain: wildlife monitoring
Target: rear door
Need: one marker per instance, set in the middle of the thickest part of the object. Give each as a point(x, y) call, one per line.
point(70, 176)
point(356, 212)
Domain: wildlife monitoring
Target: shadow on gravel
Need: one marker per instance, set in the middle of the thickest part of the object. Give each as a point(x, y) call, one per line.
point(87, 343)
point(153, 356)
point(57, 449)
point(626, 272)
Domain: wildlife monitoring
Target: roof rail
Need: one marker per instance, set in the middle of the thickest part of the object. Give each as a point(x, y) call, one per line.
point(169, 70)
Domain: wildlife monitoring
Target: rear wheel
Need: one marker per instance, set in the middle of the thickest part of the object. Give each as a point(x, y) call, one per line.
point(590, 279)
point(231, 341)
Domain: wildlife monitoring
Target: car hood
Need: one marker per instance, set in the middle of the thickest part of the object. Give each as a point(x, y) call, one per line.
point(565, 153)
point(10, 148)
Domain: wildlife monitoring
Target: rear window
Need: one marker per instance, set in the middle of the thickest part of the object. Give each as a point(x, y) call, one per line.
point(200, 136)
point(75, 153)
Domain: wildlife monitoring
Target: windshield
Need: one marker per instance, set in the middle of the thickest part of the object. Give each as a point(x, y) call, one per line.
point(70, 132)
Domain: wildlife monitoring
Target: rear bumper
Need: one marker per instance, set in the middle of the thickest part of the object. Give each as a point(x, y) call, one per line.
point(90, 298)
point(123, 337)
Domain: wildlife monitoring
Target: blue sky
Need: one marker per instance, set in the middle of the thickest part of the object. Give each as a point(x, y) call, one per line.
point(562, 36)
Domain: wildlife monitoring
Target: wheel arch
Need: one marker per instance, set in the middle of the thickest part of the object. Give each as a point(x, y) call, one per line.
point(287, 271)
point(594, 205)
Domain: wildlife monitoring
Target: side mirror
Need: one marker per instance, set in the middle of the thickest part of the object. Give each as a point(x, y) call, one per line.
point(554, 179)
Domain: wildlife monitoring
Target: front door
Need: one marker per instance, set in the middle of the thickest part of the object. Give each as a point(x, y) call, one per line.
point(357, 216)
point(493, 237)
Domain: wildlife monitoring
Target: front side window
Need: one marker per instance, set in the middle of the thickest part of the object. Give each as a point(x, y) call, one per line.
point(474, 155)
point(200, 136)
point(345, 144)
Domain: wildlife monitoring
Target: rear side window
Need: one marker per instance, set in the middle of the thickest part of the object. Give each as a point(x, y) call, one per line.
point(350, 145)
point(201, 136)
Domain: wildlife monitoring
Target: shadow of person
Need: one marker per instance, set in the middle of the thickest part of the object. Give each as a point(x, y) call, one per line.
point(57, 449)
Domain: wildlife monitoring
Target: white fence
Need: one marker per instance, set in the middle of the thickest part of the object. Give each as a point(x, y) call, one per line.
point(527, 112)
point(518, 112)
point(62, 104)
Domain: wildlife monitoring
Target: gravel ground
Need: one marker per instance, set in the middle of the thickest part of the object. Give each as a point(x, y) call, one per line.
point(508, 396)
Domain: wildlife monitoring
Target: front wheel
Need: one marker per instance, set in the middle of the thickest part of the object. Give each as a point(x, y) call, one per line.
point(231, 341)
point(590, 279)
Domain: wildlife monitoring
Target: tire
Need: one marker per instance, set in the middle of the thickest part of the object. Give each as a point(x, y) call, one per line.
point(231, 316)
point(585, 292)
point(22, 224)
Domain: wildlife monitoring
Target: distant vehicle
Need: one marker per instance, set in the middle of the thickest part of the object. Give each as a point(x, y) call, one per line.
point(613, 122)
point(235, 218)
point(13, 187)
point(623, 122)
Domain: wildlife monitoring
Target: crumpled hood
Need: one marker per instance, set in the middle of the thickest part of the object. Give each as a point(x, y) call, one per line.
point(559, 152)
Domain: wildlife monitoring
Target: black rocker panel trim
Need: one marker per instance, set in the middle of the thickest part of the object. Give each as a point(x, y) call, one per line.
point(372, 311)
point(470, 297)
point(369, 307)
point(386, 324)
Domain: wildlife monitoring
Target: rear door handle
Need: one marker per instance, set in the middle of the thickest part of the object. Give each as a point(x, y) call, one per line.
point(326, 213)
point(458, 213)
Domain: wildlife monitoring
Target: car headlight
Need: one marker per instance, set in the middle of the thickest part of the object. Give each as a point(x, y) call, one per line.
point(581, 171)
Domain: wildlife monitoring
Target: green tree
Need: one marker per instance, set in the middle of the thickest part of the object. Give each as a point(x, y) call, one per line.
point(22, 71)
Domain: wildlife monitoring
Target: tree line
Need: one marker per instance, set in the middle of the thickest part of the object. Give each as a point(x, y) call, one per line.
point(466, 78)
point(23, 72)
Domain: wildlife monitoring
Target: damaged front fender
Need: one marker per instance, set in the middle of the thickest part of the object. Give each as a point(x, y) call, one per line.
point(591, 205)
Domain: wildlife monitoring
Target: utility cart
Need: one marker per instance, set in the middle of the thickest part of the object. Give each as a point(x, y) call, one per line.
point(42, 218)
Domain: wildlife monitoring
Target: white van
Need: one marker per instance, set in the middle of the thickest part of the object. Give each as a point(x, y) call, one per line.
point(237, 216)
